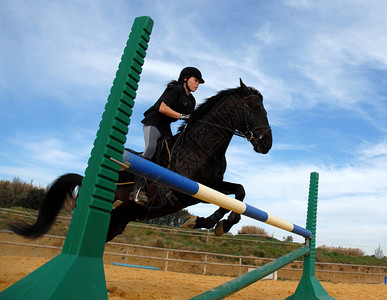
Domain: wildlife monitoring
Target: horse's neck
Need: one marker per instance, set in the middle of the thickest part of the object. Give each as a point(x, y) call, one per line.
point(199, 153)
point(217, 126)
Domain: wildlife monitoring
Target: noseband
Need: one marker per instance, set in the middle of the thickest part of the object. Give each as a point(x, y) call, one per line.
point(249, 134)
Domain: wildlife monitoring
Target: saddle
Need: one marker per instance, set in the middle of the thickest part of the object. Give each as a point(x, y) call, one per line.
point(162, 145)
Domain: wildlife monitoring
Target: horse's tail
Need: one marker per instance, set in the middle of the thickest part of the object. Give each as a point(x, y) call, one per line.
point(60, 190)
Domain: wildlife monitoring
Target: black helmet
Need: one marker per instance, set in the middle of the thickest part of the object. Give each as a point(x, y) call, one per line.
point(190, 71)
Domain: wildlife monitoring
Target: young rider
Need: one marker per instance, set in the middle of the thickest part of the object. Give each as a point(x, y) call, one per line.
point(176, 102)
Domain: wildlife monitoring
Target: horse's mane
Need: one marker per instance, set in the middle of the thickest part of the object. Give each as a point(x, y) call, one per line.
point(210, 103)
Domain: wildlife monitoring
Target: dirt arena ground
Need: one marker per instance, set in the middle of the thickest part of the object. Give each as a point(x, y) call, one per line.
point(133, 283)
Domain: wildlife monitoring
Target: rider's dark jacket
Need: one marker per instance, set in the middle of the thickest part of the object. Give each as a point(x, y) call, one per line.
point(176, 98)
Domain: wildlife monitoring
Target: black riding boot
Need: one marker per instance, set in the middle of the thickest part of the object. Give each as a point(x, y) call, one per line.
point(138, 193)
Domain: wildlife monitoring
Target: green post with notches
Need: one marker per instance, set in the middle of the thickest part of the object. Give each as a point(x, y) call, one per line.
point(309, 287)
point(77, 273)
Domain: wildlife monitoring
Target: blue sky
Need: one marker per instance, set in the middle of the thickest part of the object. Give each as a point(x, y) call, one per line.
point(320, 65)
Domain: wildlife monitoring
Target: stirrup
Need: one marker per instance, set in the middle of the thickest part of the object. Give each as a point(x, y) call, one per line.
point(140, 197)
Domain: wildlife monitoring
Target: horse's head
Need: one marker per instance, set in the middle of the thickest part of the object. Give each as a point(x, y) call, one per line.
point(237, 111)
point(252, 120)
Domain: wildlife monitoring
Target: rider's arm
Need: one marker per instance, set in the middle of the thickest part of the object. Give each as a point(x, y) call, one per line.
point(166, 110)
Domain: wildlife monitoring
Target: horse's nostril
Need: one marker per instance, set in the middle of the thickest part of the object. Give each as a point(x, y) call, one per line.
point(266, 143)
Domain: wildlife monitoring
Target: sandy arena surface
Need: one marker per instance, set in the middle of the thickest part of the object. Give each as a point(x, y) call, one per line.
point(133, 283)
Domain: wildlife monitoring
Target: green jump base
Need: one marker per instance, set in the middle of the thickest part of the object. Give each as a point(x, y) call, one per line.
point(310, 288)
point(55, 280)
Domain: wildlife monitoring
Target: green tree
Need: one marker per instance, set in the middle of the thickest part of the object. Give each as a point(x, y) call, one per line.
point(177, 219)
point(13, 192)
point(33, 199)
point(18, 193)
point(5, 193)
point(289, 239)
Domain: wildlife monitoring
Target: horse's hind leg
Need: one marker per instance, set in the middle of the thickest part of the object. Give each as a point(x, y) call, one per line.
point(121, 215)
point(118, 221)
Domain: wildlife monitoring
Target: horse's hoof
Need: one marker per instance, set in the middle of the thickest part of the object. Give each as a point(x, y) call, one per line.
point(190, 223)
point(219, 230)
point(223, 227)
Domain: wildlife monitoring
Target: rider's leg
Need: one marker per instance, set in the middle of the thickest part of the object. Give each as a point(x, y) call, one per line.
point(151, 135)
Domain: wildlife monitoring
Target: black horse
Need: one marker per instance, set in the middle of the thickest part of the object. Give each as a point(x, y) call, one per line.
point(197, 151)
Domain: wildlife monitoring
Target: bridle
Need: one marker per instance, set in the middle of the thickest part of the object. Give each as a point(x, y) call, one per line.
point(249, 133)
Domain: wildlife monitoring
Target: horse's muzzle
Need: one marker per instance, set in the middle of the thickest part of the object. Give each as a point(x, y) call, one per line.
point(263, 144)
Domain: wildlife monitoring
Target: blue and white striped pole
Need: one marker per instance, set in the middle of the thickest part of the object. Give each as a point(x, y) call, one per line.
point(142, 167)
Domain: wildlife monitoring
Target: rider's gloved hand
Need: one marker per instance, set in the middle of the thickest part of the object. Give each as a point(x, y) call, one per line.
point(184, 117)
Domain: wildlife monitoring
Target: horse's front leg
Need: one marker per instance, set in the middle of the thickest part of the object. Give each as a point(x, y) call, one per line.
point(238, 190)
point(209, 222)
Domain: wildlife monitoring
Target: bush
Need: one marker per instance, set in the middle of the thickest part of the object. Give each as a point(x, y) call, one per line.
point(342, 250)
point(253, 230)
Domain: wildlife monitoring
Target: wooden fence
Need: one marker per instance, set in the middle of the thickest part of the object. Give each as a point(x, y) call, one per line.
point(191, 261)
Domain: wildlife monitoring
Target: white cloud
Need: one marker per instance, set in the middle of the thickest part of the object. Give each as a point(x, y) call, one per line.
point(166, 70)
point(374, 151)
point(42, 159)
point(265, 34)
point(297, 3)
point(328, 58)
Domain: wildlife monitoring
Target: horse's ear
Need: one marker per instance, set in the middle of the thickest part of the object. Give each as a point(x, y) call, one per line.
point(244, 88)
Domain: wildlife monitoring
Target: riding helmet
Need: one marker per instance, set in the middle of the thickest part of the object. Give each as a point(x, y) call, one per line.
point(190, 71)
